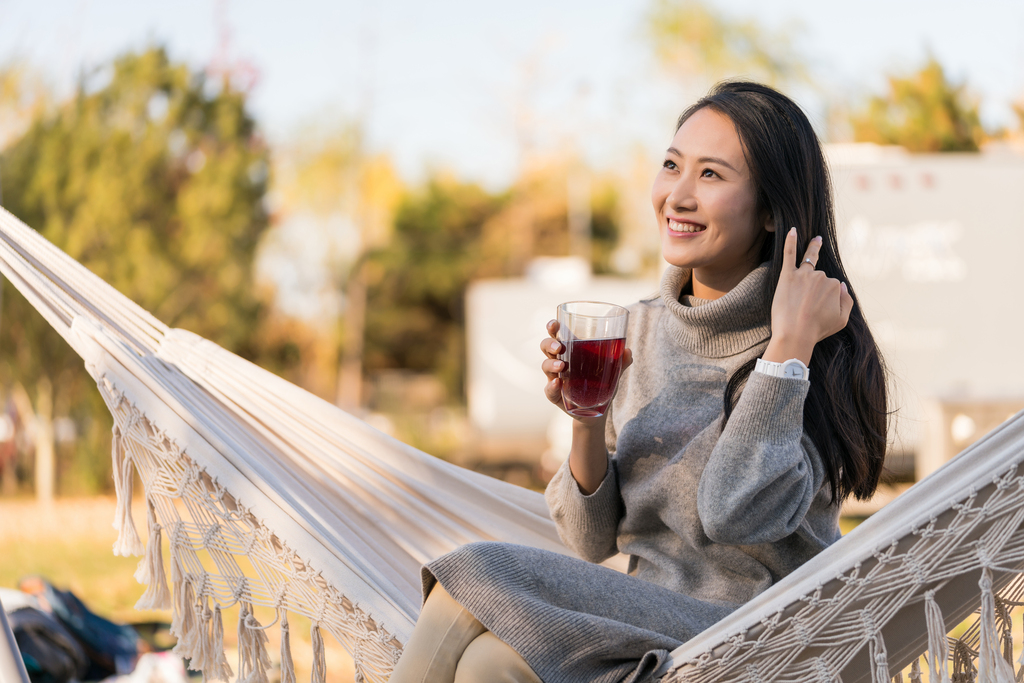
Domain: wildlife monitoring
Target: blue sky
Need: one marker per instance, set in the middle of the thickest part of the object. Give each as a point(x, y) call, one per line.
point(461, 84)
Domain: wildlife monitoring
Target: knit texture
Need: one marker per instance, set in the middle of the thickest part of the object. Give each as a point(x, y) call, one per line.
point(709, 517)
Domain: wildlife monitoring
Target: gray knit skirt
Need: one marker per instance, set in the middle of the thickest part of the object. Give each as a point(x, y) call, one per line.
point(572, 621)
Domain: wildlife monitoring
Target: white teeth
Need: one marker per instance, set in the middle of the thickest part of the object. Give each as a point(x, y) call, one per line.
point(676, 226)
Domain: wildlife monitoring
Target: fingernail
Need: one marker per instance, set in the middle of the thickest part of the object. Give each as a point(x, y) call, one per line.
point(559, 365)
point(842, 285)
point(818, 239)
point(792, 231)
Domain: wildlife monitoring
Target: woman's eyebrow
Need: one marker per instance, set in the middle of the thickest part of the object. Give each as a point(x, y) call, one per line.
point(704, 160)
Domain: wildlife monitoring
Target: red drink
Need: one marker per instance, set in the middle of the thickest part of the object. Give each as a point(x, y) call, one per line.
point(592, 373)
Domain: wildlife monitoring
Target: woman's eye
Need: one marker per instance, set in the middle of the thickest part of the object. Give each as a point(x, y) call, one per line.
point(708, 173)
point(669, 164)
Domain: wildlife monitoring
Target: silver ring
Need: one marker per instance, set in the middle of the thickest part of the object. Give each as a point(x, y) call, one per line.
point(807, 260)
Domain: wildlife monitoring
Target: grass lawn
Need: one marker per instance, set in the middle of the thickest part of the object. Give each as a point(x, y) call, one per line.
point(70, 544)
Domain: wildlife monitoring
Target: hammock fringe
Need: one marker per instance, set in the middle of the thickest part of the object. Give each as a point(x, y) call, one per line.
point(992, 667)
point(128, 543)
point(253, 658)
point(938, 644)
point(217, 668)
point(151, 568)
point(287, 665)
point(319, 656)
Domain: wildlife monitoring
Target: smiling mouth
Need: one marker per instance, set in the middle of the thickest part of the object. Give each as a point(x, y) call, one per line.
point(676, 226)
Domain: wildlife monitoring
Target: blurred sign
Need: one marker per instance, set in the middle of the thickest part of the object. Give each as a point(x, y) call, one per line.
point(932, 244)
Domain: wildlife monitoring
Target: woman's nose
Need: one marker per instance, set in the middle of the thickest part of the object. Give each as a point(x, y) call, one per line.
point(681, 196)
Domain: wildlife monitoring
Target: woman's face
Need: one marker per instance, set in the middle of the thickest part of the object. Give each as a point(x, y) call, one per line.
point(706, 203)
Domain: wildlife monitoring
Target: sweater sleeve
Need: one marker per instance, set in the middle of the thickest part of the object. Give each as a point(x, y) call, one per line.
point(588, 525)
point(764, 472)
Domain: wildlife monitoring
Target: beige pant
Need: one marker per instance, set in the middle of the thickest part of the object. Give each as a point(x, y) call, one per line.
point(449, 645)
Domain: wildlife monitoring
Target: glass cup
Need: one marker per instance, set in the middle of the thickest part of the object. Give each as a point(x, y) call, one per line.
point(594, 337)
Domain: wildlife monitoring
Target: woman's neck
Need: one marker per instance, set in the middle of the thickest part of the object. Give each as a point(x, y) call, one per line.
point(711, 284)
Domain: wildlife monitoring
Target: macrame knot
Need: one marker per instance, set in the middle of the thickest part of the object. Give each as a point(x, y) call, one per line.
point(823, 670)
point(208, 535)
point(802, 633)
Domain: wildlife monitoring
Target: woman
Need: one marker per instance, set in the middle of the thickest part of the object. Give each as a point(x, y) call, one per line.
point(755, 405)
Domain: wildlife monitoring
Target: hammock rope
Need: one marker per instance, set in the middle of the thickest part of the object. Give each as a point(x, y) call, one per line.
point(268, 496)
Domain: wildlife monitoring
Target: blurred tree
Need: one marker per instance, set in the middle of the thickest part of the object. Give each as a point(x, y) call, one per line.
point(153, 177)
point(342, 199)
point(923, 112)
point(449, 233)
point(416, 283)
point(691, 39)
point(23, 97)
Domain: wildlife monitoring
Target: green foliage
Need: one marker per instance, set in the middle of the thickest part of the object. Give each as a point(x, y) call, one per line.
point(416, 284)
point(923, 112)
point(604, 229)
point(446, 235)
point(153, 178)
point(691, 39)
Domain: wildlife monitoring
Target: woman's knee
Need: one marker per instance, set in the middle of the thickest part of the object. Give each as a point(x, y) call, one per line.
point(489, 660)
point(442, 633)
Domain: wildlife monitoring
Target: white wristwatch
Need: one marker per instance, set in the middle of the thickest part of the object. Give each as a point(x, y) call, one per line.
point(793, 368)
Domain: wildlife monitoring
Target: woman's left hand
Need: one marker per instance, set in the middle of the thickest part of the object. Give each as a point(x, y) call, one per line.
point(808, 305)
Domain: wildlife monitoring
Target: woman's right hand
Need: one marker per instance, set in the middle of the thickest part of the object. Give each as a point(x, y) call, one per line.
point(553, 366)
point(588, 457)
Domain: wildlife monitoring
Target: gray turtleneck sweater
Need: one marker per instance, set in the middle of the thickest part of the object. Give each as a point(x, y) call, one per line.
point(709, 516)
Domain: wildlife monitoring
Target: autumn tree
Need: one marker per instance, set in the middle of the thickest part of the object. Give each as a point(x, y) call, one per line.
point(335, 200)
point(924, 112)
point(447, 234)
point(693, 40)
point(153, 177)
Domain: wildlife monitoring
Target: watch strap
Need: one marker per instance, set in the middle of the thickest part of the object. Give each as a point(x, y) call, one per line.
point(793, 368)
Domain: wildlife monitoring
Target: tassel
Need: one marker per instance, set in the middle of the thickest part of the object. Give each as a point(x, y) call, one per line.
point(128, 542)
point(176, 585)
point(898, 678)
point(183, 623)
point(992, 668)
point(201, 651)
point(217, 667)
point(287, 665)
point(253, 660)
point(319, 658)
point(915, 671)
point(151, 570)
point(879, 658)
point(938, 645)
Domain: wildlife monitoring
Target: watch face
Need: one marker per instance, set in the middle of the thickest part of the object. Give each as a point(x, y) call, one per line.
point(793, 370)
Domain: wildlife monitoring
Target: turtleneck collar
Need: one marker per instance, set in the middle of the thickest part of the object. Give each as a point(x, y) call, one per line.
point(724, 327)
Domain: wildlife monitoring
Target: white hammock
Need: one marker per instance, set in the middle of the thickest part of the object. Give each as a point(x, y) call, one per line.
point(332, 519)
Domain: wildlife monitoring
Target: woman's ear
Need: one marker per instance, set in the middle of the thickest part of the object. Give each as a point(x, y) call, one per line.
point(769, 223)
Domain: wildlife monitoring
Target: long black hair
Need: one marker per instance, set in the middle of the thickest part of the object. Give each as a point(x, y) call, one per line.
point(845, 413)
